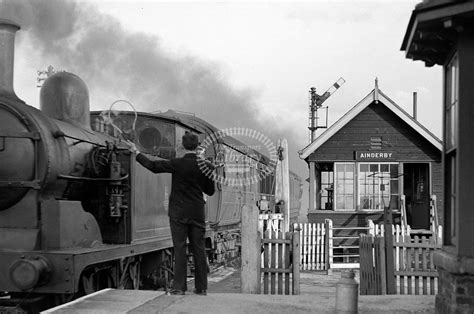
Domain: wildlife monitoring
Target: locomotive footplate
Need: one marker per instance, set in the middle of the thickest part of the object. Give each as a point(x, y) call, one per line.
point(59, 272)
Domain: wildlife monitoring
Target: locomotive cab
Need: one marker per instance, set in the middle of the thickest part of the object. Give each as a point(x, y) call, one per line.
point(159, 137)
point(153, 134)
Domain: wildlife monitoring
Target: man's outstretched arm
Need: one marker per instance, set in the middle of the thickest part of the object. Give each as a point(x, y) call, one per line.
point(156, 166)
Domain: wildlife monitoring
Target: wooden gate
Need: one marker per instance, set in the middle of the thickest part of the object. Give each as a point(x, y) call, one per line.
point(414, 271)
point(270, 259)
point(372, 265)
point(313, 242)
point(280, 267)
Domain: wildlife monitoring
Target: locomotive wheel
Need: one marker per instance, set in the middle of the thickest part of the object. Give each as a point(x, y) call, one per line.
point(130, 273)
point(161, 276)
point(96, 280)
point(166, 270)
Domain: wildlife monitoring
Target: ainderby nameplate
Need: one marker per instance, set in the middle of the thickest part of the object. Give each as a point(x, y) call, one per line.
point(375, 155)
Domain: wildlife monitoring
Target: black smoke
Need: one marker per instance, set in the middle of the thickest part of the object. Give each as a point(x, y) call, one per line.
point(121, 64)
point(76, 37)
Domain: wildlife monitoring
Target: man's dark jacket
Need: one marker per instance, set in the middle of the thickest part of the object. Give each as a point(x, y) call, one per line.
point(188, 184)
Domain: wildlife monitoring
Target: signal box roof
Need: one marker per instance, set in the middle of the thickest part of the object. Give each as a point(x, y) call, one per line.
point(375, 96)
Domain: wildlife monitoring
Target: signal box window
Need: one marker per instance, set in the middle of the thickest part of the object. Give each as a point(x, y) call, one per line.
point(327, 190)
point(344, 186)
point(451, 118)
point(378, 186)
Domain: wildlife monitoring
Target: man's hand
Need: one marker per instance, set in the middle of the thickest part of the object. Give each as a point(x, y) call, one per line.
point(133, 148)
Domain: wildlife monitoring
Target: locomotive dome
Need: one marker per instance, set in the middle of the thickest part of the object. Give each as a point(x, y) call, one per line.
point(64, 96)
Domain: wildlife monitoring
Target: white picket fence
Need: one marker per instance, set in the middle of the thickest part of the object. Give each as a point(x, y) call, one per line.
point(312, 246)
point(398, 231)
point(316, 243)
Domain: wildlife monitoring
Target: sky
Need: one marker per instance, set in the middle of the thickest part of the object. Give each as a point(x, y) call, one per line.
point(233, 63)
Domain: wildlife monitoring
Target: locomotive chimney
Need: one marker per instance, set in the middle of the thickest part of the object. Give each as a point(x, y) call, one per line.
point(7, 51)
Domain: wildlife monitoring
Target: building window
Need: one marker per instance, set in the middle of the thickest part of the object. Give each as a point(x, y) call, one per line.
point(344, 186)
point(451, 103)
point(451, 118)
point(327, 186)
point(378, 186)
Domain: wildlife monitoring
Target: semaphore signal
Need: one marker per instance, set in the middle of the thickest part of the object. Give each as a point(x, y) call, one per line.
point(316, 102)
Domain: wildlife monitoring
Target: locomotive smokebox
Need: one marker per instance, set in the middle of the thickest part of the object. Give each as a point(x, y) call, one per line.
point(7, 51)
point(64, 96)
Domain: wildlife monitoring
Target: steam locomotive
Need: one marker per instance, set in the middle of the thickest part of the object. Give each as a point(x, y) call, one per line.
point(79, 214)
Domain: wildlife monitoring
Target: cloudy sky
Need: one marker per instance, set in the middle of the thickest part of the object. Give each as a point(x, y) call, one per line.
point(233, 63)
point(279, 49)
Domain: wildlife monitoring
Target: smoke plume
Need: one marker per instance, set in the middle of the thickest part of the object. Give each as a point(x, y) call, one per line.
point(116, 63)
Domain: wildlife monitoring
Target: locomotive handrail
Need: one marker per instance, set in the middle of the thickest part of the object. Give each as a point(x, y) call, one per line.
point(79, 140)
point(68, 177)
point(32, 135)
point(34, 184)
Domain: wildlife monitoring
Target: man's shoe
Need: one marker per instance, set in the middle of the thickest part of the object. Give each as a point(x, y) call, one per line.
point(200, 292)
point(175, 292)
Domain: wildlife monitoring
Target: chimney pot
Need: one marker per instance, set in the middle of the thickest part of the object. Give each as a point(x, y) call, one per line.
point(7, 51)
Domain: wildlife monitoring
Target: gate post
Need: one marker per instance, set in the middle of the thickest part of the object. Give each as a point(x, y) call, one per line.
point(251, 241)
point(296, 261)
point(389, 262)
point(328, 245)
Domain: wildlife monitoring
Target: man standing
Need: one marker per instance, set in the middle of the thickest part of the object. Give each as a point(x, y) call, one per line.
point(186, 211)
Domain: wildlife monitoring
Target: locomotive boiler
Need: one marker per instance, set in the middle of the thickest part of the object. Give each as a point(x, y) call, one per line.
point(78, 213)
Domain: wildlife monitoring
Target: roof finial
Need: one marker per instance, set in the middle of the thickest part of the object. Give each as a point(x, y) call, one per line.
point(376, 91)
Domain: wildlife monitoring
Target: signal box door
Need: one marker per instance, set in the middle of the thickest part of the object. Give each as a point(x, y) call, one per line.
point(416, 182)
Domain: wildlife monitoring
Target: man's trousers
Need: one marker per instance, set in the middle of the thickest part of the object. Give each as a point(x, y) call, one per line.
point(181, 230)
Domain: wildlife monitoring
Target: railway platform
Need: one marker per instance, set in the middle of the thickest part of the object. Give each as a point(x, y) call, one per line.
point(318, 291)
